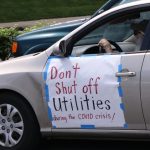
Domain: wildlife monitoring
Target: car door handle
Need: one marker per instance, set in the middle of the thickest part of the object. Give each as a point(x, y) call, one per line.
point(125, 74)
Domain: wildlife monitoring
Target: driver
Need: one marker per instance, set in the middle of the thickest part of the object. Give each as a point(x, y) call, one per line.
point(138, 30)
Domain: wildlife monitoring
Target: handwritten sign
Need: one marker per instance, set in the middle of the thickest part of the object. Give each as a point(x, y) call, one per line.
point(83, 91)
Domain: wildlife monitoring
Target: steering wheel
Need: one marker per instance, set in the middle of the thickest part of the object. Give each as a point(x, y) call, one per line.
point(118, 48)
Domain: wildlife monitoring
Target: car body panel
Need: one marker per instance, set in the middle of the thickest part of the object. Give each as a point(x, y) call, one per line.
point(128, 135)
point(145, 86)
point(131, 90)
point(25, 78)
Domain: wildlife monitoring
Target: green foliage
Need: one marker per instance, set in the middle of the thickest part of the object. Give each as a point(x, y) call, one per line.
point(6, 36)
point(38, 9)
point(36, 26)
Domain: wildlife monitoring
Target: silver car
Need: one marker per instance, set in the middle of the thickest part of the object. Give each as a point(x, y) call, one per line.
point(75, 89)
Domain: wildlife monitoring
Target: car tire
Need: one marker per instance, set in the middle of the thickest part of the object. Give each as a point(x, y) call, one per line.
point(19, 128)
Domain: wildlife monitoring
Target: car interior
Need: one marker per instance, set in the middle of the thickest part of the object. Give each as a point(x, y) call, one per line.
point(120, 32)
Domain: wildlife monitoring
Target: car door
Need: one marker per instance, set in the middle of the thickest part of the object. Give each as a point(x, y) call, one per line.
point(99, 90)
point(131, 69)
point(145, 96)
point(145, 80)
point(83, 96)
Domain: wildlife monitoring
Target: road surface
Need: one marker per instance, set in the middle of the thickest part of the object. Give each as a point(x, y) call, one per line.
point(94, 145)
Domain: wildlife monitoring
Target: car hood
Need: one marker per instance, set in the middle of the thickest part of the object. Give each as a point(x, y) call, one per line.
point(67, 23)
point(21, 64)
point(62, 27)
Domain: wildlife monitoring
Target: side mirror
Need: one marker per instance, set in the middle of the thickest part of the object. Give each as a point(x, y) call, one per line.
point(60, 48)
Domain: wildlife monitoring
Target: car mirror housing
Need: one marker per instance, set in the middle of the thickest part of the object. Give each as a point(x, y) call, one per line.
point(60, 48)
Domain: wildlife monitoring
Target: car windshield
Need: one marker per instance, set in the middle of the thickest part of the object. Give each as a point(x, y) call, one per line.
point(110, 4)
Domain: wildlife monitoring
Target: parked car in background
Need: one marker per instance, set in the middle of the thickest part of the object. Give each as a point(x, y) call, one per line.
point(58, 93)
point(40, 39)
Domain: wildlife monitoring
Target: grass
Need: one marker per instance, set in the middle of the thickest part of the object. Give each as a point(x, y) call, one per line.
point(21, 10)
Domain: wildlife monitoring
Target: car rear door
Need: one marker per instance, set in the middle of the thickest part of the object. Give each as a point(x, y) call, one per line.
point(145, 89)
point(131, 76)
point(145, 79)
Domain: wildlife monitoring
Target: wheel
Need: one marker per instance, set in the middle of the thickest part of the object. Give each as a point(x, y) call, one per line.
point(118, 48)
point(18, 127)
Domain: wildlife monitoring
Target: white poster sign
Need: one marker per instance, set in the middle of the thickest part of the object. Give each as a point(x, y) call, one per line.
point(82, 92)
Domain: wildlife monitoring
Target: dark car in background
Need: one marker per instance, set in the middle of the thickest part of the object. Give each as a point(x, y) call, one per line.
point(42, 38)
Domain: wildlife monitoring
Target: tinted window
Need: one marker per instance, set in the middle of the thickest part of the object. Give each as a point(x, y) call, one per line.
point(117, 30)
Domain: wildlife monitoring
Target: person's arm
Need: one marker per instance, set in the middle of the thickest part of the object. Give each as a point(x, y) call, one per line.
point(104, 43)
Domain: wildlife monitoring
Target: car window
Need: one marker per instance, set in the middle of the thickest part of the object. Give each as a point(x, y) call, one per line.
point(118, 30)
point(108, 31)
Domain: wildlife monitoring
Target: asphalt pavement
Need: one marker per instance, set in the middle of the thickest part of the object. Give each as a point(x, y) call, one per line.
point(34, 22)
point(94, 145)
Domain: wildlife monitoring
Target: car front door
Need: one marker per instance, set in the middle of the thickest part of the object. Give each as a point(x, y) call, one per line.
point(98, 91)
point(95, 92)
